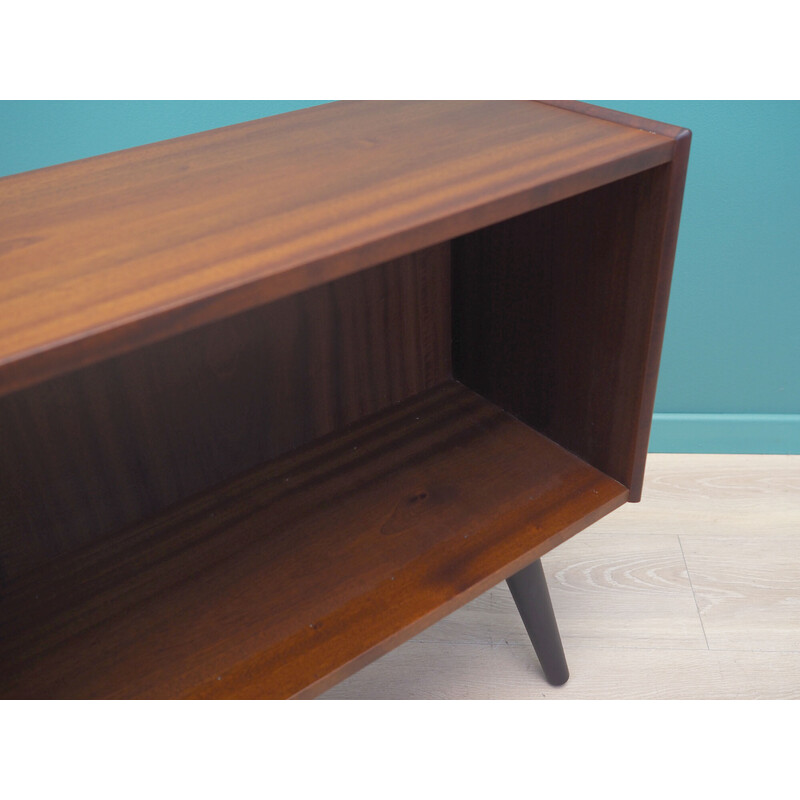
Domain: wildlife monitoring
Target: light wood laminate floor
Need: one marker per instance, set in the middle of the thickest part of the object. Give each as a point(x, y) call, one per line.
point(694, 593)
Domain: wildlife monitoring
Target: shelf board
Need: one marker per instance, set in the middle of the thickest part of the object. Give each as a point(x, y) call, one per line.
point(105, 255)
point(289, 578)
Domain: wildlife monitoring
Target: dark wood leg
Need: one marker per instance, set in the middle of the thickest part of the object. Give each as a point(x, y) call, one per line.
point(529, 590)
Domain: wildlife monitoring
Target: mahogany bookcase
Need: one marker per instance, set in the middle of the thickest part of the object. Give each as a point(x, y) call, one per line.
point(276, 397)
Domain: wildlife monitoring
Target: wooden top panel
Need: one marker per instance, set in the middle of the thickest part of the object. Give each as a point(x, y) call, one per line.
point(104, 255)
point(288, 579)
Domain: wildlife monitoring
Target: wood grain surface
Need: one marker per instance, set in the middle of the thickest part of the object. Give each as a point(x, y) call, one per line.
point(629, 591)
point(284, 581)
point(620, 117)
point(102, 256)
point(692, 593)
point(277, 397)
point(667, 242)
point(553, 317)
point(88, 453)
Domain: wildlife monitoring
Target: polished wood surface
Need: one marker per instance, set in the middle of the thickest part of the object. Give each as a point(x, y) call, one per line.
point(619, 117)
point(276, 397)
point(666, 240)
point(669, 243)
point(691, 594)
point(577, 289)
point(102, 256)
point(102, 448)
point(284, 581)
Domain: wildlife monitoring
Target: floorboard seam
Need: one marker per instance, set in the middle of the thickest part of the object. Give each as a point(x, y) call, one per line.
point(691, 586)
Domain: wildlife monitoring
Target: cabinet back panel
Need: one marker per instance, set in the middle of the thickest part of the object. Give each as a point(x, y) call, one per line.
point(90, 452)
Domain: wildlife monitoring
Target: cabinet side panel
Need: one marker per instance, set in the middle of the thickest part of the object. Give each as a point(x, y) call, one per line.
point(554, 314)
point(90, 452)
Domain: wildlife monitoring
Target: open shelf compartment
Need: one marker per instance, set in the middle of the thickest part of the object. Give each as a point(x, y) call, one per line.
point(274, 398)
point(288, 579)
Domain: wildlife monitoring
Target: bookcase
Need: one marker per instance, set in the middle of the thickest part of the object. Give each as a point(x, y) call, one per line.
point(276, 397)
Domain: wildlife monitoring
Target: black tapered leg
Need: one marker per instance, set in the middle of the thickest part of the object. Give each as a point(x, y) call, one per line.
point(529, 590)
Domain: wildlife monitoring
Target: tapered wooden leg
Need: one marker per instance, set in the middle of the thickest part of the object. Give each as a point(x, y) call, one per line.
point(529, 590)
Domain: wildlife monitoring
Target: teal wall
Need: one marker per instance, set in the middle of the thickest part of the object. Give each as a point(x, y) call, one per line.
point(37, 134)
point(730, 370)
point(730, 375)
